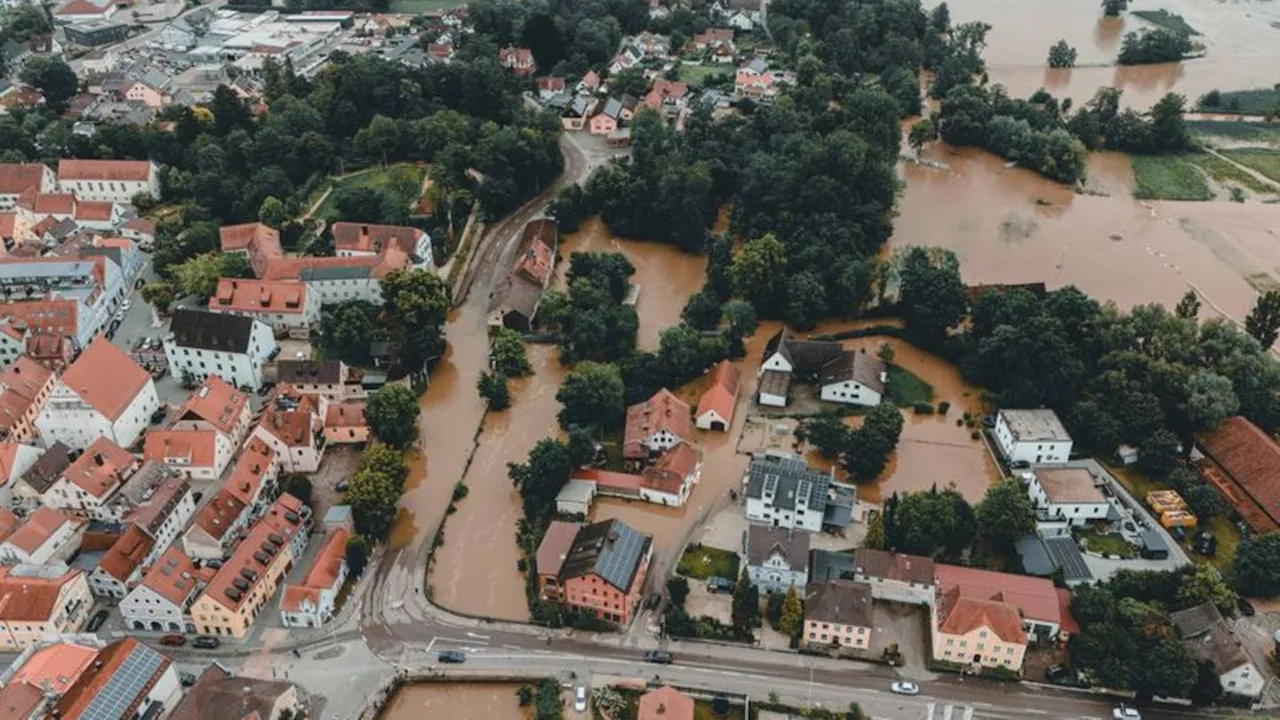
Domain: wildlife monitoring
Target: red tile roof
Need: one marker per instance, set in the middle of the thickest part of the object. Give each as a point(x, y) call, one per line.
point(246, 479)
point(665, 703)
point(1250, 457)
point(126, 554)
point(39, 527)
point(322, 575)
point(8, 224)
point(241, 237)
point(348, 414)
point(172, 577)
point(105, 378)
point(960, 615)
point(293, 426)
point(9, 522)
point(17, 178)
point(550, 83)
point(101, 468)
point(259, 296)
point(662, 90)
point(663, 411)
point(50, 316)
point(50, 203)
point(722, 394)
point(1034, 597)
point(217, 515)
point(610, 481)
point(215, 402)
point(135, 170)
point(187, 448)
point(141, 225)
point(555, 546)
point(94, 210)
point(77, 701)
point(22, 383)
point(247, 555)
point(669, 472)
point(28, 598)
point(58, 665)
point(363, 237)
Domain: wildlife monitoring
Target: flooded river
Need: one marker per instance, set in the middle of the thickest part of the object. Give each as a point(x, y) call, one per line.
point(1242, 47)
point(460, 701)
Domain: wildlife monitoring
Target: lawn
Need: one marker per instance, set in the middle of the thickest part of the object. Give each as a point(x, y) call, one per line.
point(1248, 102)
point(372, 178)
point(1224, 172)
point(1261, 133)
point(1111, 544)
point(1227, 534)
point(697, 74)
point(1168, 177)
point(1264, 161)
point(702, 562)
point(906, 389)
point(1166, 20)
point(420, 6)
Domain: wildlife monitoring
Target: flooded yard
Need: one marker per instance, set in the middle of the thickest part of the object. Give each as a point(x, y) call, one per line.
point(463, 701)
point(1241, 42)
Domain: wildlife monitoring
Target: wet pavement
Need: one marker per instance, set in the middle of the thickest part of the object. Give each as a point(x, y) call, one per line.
point(463, 701)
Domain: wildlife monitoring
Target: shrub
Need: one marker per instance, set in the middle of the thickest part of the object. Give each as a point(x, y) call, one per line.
point(923, 408)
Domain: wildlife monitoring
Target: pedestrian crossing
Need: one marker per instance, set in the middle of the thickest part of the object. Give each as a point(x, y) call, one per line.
point(950, 711)
point(978, 711)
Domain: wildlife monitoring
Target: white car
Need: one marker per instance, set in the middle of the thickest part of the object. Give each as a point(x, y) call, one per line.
point(1125, 713)
point(126, 304)
point(905, 688)
point(580, 699)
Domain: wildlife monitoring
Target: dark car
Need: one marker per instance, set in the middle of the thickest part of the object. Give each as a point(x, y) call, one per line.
point(187, 679)
point(205, 642)
point(173, 640)
point(96, 621)
point(452, 656)
point(157, 417)
point(659, 656)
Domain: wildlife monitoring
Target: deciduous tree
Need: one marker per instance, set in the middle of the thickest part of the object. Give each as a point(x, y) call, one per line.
point(1062, 55)
point(1004, 515)
point(392, 414)
point(1256, 568)
point(493, 388)
point(792, 620)
point(507, 354)
point(1263, 322)
point(540, 478)
point(592, 396)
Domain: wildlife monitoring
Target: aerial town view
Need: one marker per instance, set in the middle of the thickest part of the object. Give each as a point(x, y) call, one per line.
point(639, 359)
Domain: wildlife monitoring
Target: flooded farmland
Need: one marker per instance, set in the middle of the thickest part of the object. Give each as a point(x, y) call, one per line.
point(1242, 47)
point(460, 701)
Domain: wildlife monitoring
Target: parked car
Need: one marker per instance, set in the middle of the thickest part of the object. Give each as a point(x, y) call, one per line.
point(187, 679)
point(96, 621)
point(659, 656)
point(341, 486)
point(452, 656)
point(205, 642)
point(126, 305)
point(719, 584)
point(173, 640)
point(905, 688)
point(580, 699)
point(1125, 713)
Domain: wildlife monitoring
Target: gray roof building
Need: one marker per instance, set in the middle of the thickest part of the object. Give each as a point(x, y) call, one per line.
point(1209, 637)
point(204, 330)
point(609, 549)
point(840, 602)
point(785, 479)
point(859, 367)
point(1045, 556)
point(765, 540)
point(1035, 425)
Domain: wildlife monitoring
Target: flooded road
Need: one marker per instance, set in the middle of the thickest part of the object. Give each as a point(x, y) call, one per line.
point(1010, 226)
point(1242, 47)
point(463, 701)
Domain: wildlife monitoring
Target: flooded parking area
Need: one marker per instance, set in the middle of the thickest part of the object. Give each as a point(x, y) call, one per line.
point(460, 701)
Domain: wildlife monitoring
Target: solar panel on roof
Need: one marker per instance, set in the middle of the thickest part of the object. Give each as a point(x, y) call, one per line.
point(1067, 556)
point(125, 685)
point(618, 559)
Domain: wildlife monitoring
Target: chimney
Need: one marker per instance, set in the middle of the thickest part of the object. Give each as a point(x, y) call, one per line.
point(662, 708)
point(97, 459)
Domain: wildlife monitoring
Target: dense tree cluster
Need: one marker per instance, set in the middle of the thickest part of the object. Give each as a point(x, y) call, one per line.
point(1004, 515)
point(392, 413)
point(348, 329)
point(864, 451)
point(1153, 45)
point(540, 478)
point(414, 306)
point(1256, 569)
point(1062, 55)
point(938, 523)
point(374, 490)
point(567, 37)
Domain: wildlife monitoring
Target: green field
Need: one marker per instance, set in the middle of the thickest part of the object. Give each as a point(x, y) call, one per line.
point(1112, 544)
point(373, 178)
point(1249, 102)
point(1261, 133)
point(704, 562)
point(1166, 20)
point(1169, 177)
point(1224, 172)
point(420, 6)
point(697, 74)
point(1264, 161)
point(906, 389)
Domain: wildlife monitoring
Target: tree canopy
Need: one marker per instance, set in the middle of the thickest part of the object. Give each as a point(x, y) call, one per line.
point(392, 414)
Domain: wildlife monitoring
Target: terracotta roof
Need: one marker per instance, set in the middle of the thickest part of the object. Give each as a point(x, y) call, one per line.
point(50, 203)
point(322, 575)
point(1250, 457)
point(182, 448)
point(722, 393)
point(58, 665)
point(217, 695)
point(50, 316)
point(105, 691)
point(17, 178)
point(264, 238)
point(550, 83)
point(155, 491)
point(141, 225)
point(101, 468)
point(217, 515)
point(259, 296)
point(555, 546)
point(961, 615)
point(536, 257)
point(669, 472)
point(1034, 597)
point(611, 481)
point(231, 586)
point(843, 602)
point(215, 402)
point(172, 577)
point(893, 566)
point(105, 378)
point(9, 522)
point(133, 170)
point(663, 411)
point(8, 223)
point(665, 703)
point(19, 700)
point(662, 90)
point(364, 237)
point(591, 79)
point(127, 553)
point(348, 414)
point(1069, 485)
point(293, 426)
point(311, 372)
point(22, 383)
point(40, 526)
point(246, 479)
point(765, 540)
point(92, 210)
point(294, 268)
point(1069, 624)
point(28, 597)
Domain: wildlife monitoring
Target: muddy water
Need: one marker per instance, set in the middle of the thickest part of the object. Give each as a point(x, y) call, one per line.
point(666, 276)
point(1010, 225)
point(1242, 47)
point(463, 701)
point(485, 524)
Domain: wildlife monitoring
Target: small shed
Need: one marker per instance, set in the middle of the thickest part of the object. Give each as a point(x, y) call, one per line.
point(1153, 545)
point(575, 497)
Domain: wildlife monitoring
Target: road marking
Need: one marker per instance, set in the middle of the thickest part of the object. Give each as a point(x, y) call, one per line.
point(477, 637)
point(457, 640)
point(968, 713)
point(946, 712)
point(432, 643)
point(1035, 711)
point(931, 708)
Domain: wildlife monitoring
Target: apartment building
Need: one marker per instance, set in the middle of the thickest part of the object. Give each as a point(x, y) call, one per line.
point(103, 394)
point(39, 600)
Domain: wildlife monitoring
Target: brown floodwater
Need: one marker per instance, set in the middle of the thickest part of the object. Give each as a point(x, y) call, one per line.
point(463, 701)
point(1242, 47)
point(666, 276)
point(484, 527)
point(1009, 225)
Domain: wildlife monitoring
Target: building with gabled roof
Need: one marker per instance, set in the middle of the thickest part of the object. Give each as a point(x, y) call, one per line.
point(312, 602)
point(1210, 639)
point(24, 388)
point(783, 491)
point(1247, 471)
point(89, 484)
point(838, 613)
point(15, 460)
point(111, 180)
point(217, 406)
point(219, 695)
point(197, 454)
point(776, 558)
point(120, 568)
point(258, 242)
point(47, 536)
point(40, 600)
point(158, 500)
point(368, 240)
point(162, 601)
point(212, 530)
point(234, 347)
point(717, 402)
point(103, 394)
point(42, 474)
point(18, 178)
point(655, 425)
point(126, 680)
point(601, 572)
point(665, 703)
point(291, 425)
point(284, 306)
point(853, 378)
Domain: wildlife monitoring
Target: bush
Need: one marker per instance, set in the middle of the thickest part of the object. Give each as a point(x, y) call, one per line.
point(943, 407)
point(922, 408)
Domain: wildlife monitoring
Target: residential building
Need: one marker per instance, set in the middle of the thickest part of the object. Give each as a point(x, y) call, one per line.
point(344, 422)
point(162, 601)
point(668, 481)
point(313, 602)
point(219, 695)
point(1244, 465)
point(51, 668)
point(158, 500)
point(285, 307)
point(40, 600)
point(667, 96)
point(333, 280)
point(838, 613)
point(784, 492)
point(655, 425)
point(201, 344)
point(777, 558)
point(598, 568)
point(103, 394)
point(517, 59)
point(217, 406)
point(1051, 556)
point(18, 178)
point(608, 120)
point(84, 11)
point(292, 427)
point(854, 378)
point(243, 586)
point(126, 680)
point(97, 33)
point(717, 403)
point(330, 379)
point(515, 301)
point(32, 484)
point(1066, 495)
point(110, 180)
point(786, 359)
point(893, 577)
point(366, 240)
point(47, 536)
point(665, 703)
point(1210, 639)
point(152, 89)
point(253, 480)
point(54, 317)
point(212, 530)
point(549, 86)
point(120, 568)
point(712, 39)
point(258, 242)
point(754, 80)
point(575, 113)
point(94, 282)
point(89, 484)
point(24, 388)
point(1032, 437)
point(197, 454)
point(15, 460)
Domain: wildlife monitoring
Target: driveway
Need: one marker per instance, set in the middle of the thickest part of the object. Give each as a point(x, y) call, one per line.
point(904, 625)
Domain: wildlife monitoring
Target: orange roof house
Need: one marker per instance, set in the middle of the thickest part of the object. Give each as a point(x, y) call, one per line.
point(24, 388)
point(101, 469)
point(260, 242)
point(1250, 460)
point(104, 170)
point(259, 296)
point(106, 380)
point(656, 424)
point(17, 178)
point(55, 667)
point(716, 405)
point(369, 239)
point(173, 576)
point(665, 703)
point(215, 405)
point(122, 563)
point(1033, 599)
point(196, 453)
point(311, 603)
point(48, 534)
point(123, 682)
